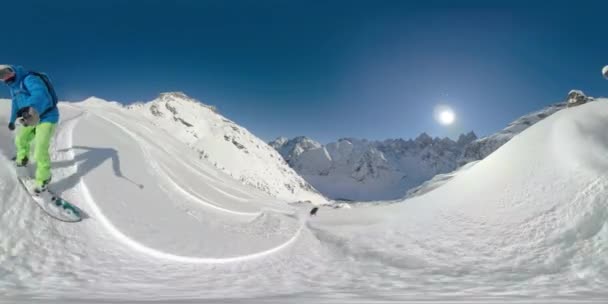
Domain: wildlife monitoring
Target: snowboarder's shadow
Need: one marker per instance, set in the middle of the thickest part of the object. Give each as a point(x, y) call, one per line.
point(86, 161)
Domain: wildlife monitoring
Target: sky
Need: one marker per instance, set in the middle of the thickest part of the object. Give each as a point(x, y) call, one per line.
point(323, 69)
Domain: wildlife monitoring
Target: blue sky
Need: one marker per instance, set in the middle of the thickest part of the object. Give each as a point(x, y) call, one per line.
point(324, 69)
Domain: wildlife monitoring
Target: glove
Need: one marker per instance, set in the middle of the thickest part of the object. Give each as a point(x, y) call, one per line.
point(24, 112)
point(11, 126)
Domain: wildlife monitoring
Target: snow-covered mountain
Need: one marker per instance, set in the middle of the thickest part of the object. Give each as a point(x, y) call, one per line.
point(358, 170)
point(527, 223)
point(221, 142)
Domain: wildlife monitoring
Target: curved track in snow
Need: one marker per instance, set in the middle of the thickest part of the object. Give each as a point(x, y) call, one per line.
point(528, 222)
point(250, 224)
point(168, 177)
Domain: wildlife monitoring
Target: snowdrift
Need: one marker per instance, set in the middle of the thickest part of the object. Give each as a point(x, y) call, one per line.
point(527, 222)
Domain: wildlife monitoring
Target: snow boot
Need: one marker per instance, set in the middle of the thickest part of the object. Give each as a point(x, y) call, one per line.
point(42, 188)
point(22, 163)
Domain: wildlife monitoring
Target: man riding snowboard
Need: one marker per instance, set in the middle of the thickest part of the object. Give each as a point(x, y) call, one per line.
point(34, 104)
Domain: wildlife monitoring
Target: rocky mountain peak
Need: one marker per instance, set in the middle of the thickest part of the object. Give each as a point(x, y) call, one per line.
point(174, 96)
point(279, 142)
point(577, 97)
point(424, 139)
point(465, 139)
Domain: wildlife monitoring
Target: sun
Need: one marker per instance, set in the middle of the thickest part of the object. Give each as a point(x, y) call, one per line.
point(444, 115)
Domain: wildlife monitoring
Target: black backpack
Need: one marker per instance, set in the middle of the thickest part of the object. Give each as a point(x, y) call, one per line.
point(49, 87)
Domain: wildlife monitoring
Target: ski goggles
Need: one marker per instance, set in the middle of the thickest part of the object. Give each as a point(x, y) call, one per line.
point(6, 73)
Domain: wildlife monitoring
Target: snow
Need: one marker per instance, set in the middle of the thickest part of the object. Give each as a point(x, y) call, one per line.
point(354, 169)
point(481, 148)
point(437, 181)
point(528, 222)
point(577, 92)
point(217, 140)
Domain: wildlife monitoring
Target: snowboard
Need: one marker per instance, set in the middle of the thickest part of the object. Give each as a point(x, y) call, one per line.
point(51, 203)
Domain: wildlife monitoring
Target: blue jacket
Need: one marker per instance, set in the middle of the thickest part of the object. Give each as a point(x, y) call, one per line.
point(36, 96)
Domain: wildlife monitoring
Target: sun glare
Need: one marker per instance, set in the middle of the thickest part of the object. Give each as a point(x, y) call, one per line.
point(444, 115)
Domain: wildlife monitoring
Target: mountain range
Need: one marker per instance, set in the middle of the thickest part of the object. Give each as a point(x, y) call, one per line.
point(362, 170)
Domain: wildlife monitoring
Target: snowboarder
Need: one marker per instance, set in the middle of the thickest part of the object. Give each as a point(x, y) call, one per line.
point(313, 211)
point(34, 105)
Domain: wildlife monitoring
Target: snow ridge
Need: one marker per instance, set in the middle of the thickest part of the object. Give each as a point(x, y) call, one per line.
point(226, 145)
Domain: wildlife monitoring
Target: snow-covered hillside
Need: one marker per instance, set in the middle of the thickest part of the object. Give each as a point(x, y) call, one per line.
point(386, 170)
point(526, 223)
point(219, 141)
point(483, 147)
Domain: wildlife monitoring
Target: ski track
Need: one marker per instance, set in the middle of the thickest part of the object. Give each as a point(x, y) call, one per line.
point(100, 216)
point(171, 257)
point(164, 174)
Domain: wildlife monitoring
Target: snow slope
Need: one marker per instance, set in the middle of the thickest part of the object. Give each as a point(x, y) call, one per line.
point(527, 222)
point(152, 214)
point(221, 142)
point(483, 147)
point(437, 181)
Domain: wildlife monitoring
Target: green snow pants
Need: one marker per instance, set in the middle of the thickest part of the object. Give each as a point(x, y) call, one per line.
point(41, 135)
